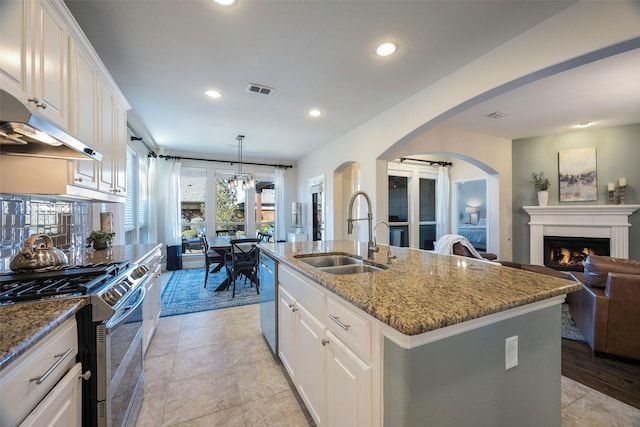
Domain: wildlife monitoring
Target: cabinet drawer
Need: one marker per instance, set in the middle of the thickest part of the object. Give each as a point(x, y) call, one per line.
point(303, 291)
point(350, 327)
point(21, 376)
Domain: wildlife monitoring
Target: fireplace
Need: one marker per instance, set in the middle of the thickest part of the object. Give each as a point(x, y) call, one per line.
point(570, 253)
point(572, 222)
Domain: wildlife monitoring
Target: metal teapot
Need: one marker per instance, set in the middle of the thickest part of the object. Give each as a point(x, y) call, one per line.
point(38, 254)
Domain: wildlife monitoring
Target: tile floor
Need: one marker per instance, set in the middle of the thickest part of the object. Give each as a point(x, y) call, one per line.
point(214, 369)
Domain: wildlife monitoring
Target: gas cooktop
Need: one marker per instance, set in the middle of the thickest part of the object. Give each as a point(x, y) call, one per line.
point(71, 281)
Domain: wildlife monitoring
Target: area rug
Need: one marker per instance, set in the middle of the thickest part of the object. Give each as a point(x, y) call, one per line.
point(569, 329)
point(185, 293)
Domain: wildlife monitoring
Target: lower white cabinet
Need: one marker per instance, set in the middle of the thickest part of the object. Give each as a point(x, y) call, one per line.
point(62, 407)
point(310, 360)
point(348, 386)
point(286, 323)
point(151, 307)
point(333, 380)
point(43, 386)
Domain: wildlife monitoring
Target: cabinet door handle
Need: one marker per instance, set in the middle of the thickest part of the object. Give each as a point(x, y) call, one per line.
point(325, 341)
point(292, 307)
point(85, 376)
point(37, 102)
point(43, 377)
point(78, 179)
point(337, 320)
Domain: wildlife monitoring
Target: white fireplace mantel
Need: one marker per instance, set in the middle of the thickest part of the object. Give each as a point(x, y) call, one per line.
point(605, 221)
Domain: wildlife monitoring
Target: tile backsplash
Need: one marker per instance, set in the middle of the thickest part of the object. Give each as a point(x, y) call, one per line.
point(68, 223)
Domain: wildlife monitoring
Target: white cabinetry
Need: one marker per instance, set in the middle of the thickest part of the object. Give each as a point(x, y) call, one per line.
point(151, 308)
point(84, 79)
point(310, 360)
point(33, 65)
point(328, 360)
point(49, 65)
point(13, 65)
point(43, 384)
point(63, 405)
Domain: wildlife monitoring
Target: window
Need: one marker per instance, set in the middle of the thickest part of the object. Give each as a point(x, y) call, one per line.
point(193, 186)
point(399, 210)
point(408, 202)
point(230, 206)
point(265, 206)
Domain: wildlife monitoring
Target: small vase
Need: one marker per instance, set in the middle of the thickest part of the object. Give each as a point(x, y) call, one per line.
point(543, 198)
point(100, 244)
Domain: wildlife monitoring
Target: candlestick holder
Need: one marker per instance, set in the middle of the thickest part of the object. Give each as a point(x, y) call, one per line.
point(621, 193)
point(611, 192)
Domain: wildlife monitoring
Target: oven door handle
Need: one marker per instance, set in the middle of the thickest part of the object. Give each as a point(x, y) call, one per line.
point(126, 312)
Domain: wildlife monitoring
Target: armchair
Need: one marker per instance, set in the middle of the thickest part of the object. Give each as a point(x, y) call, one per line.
point(607, 308)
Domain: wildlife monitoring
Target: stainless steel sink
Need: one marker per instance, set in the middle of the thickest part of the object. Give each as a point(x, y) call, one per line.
point(339, 264)
point(352, 269)
point(329, 260)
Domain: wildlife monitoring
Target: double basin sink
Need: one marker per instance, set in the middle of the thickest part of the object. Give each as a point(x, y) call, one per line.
point(340, 263)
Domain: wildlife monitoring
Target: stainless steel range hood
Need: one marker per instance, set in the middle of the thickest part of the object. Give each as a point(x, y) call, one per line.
point(23, 133)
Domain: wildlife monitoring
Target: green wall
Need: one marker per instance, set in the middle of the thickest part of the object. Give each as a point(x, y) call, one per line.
point(617, 155)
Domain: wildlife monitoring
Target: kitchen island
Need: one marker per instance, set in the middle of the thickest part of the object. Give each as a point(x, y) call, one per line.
point(425, 339)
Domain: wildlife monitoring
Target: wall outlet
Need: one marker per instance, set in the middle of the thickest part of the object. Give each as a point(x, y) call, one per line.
point(511, 352)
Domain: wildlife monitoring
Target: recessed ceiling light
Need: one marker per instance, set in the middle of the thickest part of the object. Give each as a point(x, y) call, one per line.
point(225, 2)
point(386, 49)
point(213, 93)
point(584, 125)
point(315, 112)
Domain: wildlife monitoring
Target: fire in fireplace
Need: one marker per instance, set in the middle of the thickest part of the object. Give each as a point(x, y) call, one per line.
point(570, 253)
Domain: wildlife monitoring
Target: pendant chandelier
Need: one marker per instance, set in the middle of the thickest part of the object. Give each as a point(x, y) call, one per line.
point(241, 178)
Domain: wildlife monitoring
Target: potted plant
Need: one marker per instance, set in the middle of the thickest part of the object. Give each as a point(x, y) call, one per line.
point(100, 239)
point(541, 184)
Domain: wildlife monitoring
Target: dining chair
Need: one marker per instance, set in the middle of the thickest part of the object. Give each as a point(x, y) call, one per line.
point(242, 259)
point(264, 236)
point(211, 257)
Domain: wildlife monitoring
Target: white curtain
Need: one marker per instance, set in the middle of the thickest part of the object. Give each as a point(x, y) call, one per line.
point(164, 202)
point(281, 210)
point(442, 202)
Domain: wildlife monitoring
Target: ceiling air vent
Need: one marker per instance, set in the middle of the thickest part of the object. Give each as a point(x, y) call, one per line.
point(262, 90)
point(497, 115)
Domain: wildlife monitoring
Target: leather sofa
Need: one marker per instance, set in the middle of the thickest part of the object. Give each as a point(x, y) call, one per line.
point(460, 250)
point(607, 308)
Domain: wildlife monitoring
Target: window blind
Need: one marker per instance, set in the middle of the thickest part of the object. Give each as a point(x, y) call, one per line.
point(130, 202)
point(142, 192)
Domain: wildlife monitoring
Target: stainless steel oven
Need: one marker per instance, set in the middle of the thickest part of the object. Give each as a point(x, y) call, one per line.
point(120, 373)
point(109, 331)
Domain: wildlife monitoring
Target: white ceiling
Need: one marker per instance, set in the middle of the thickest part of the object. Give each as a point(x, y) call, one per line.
point(165, 54)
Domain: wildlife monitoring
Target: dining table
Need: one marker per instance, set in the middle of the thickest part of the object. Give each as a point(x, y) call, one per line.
point(222, 245)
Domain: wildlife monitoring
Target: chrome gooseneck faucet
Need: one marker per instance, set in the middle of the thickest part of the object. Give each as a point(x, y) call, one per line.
point(371, 246)
point(389, 256)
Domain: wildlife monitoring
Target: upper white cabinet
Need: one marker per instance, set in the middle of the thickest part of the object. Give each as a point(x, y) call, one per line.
point(35, 55)
point(49, 89)
point(13, 65)
point(49, 65)
point(84, 79)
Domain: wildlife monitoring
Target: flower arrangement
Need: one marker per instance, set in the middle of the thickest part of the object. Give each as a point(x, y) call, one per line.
point(100, 239)
point(540, 182)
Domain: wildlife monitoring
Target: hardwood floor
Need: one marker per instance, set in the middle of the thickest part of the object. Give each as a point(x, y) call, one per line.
point(615, 377)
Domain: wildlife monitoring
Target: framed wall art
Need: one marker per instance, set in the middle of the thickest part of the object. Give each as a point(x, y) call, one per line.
point(577, 175)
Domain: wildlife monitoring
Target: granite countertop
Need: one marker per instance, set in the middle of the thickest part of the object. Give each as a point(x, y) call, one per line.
point(22, 325)
point(117, 253)
point(423, 291)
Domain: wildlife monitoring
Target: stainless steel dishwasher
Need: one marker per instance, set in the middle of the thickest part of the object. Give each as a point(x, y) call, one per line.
point(268, 273)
